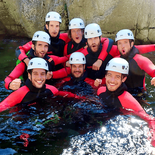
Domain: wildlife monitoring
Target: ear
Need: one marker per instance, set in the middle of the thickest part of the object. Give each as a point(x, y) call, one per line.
point(84, 66)
point(123, 80)
point(132, 43)
point(32, 46)
point(29, 76)
point(46, 26)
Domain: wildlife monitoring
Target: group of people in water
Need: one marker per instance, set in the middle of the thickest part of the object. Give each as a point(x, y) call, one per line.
point(81, 57)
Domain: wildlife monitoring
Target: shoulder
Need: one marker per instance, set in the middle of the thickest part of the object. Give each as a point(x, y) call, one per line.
point(53, 89)
point(101, 90)
point(64, 37)
point(84, 51)
point(129, 102)
point(141, 60)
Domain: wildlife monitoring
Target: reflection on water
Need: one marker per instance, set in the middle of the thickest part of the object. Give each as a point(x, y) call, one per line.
point(66, 126)
point(119, 135)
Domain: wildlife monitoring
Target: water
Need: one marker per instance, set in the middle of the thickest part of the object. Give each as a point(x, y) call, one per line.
point(67, 126)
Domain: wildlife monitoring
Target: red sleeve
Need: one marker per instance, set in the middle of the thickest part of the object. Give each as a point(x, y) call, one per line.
point(145, 64)
point(14, 98)
point(65, 49)
point(106, 47)
point(69, 95)
point(145, 48)
point(53, 89)
point(84, 51)
point(22, 50)
point(101, 90)
point(64, 37)
point(16, 73)
point(114, 52)
point(58, 60)
point(90, 82)
point(61, 73)
point(129, 102)
point(66, 94)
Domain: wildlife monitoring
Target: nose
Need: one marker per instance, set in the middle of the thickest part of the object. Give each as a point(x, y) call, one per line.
point(112, 79)
point(39, 76)
point(43, 48)
point(93, 40)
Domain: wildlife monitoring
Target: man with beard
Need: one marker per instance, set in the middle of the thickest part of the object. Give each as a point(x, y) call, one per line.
point(35, 88)
point(76, 79)
point(78, 42)
point(93, 35)
point(39, 48)
point(138, 64)
point(58, 40)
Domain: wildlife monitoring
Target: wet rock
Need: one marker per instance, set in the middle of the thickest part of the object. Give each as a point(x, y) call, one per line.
point(24, 17)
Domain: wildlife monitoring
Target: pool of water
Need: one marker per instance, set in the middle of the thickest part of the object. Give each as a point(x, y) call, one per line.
point(67, 126)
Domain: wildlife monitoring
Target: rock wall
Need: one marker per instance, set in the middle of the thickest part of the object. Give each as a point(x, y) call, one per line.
point(24, 17)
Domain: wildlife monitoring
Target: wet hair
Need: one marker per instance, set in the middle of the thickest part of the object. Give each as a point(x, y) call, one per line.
point(34, 42)
point(69, 33)
point(130, 41)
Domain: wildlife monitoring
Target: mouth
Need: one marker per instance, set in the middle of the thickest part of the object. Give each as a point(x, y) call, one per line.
point(42, 53)
point(123, 51)
point(77, 72)
point(94, 46)
point(39, 82)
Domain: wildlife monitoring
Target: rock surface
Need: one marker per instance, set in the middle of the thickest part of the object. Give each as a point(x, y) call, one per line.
point(23, 17)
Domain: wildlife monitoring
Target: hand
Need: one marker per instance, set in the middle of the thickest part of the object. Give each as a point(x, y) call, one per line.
point(153, 81)
point(50, 59)
point(97, 65)
point(15, 84)
point(26, 61)
point(49, 75)
point(97, 82)
point(67, 64)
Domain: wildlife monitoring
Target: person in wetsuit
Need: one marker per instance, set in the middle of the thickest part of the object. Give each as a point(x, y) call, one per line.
point(35, 87)
point(39, 48)
point(58, 40)
point(76, 77)
point(114, 95)
point(138, 64)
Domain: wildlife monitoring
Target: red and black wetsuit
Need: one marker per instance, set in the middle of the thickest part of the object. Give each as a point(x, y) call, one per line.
point(138, 66)
point(91, 58)
point(55, 48)
point(118, 99)
point(72, 46)
point(121, 99)
point(27, 94)
point(142, 49)
point(58, 43)
point(21, 68)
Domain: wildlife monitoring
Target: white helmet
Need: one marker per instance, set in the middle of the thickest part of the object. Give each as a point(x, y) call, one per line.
point(92, 30)
point(77, 58)
point(41, 36)
point(37, 63)
point(53, 16)
point(124, 34)
point(119, 65)
point(76, 23)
